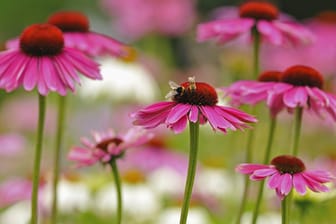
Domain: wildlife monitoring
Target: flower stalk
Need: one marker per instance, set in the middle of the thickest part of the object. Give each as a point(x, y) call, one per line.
point(194, 132)
point(37, 159)
point(267, 158)
point(57, 155)
point(117, 182)
point(251, 133)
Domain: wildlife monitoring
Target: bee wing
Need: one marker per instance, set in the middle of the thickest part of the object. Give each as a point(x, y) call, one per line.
point(173, 85)
point(171, 94)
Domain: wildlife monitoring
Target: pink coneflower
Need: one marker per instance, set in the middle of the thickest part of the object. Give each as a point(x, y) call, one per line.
point(301, 87)
point(107, 146)
point(75, 26)
point(193, 101)
point(321, 54)
point(251, 92)
point(44, 62)
point(285, 173)
point(261, 16)
point(76, 32)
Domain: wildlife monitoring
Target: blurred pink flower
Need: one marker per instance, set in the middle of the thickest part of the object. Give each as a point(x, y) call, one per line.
point(251, 92)
point(301, 86)
point(285, 173)
point(76, 33)
point(193, 101)
point(15, 190)
point(14, 115)
point(42, 61)
point(107, 145)
point(154, 155)
point(11, 144)
point(137, 18)
point(232, 23)
point(321, 54)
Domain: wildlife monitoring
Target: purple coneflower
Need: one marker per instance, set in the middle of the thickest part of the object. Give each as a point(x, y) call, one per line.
point(106, 148)
point(43, 61)
point(285, 173)
point(263, 17)
point(193, 101)
point(251, 92)
point(76, 31)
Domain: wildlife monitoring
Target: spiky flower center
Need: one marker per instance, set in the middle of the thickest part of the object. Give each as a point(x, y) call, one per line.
point(42, 40)
point(270, 76)
point(300, 75)
point(288, 164)
point(103, 145)
point(70, 21)
point(198, 93)
point(258, 10)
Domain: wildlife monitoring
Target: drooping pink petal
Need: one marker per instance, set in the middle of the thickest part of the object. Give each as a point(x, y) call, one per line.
point(193, 114)
point(265, 172)
point(153, 115)
point(294, 33)
point(296, 97)
point(82, 156)
point(274, 181)
point(299, 183)
point(177, 112)
point(179, 125)
point(286, 183)
point(216, 120)
point(248, 168)
point(224, 30)
point(270, 32)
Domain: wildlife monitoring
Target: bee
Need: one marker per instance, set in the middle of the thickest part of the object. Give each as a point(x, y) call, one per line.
point(176, 90)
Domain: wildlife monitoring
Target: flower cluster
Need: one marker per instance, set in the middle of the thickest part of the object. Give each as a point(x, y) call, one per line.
point(297, 86)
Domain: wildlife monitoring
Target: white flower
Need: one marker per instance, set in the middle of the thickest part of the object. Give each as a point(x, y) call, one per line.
point(19, 213)
point(139, 201)
point(267, 218)
point(121, 81)
point(166, 181)
point(215, 182)
point(172, 215)
point(72, 196)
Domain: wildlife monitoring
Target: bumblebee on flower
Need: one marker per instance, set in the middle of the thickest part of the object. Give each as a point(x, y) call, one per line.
point(193, 101)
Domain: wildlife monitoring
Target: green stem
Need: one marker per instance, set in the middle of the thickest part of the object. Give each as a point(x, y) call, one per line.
point(117, 181)
point(37, 159)
point(57, 156)
point(297, 130)
point(284, 211)
point(256, 51)
point(191, 170)
point(248, 159)
point(250, 138)
point(266, 160)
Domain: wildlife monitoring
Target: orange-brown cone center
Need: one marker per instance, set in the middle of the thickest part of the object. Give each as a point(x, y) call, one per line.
point(42, 40)
point(258, 10)
point(103, 145)
point(300, 75)
point(70, 21)
point(202, 95)
point(270, 76)
point(288, 164)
